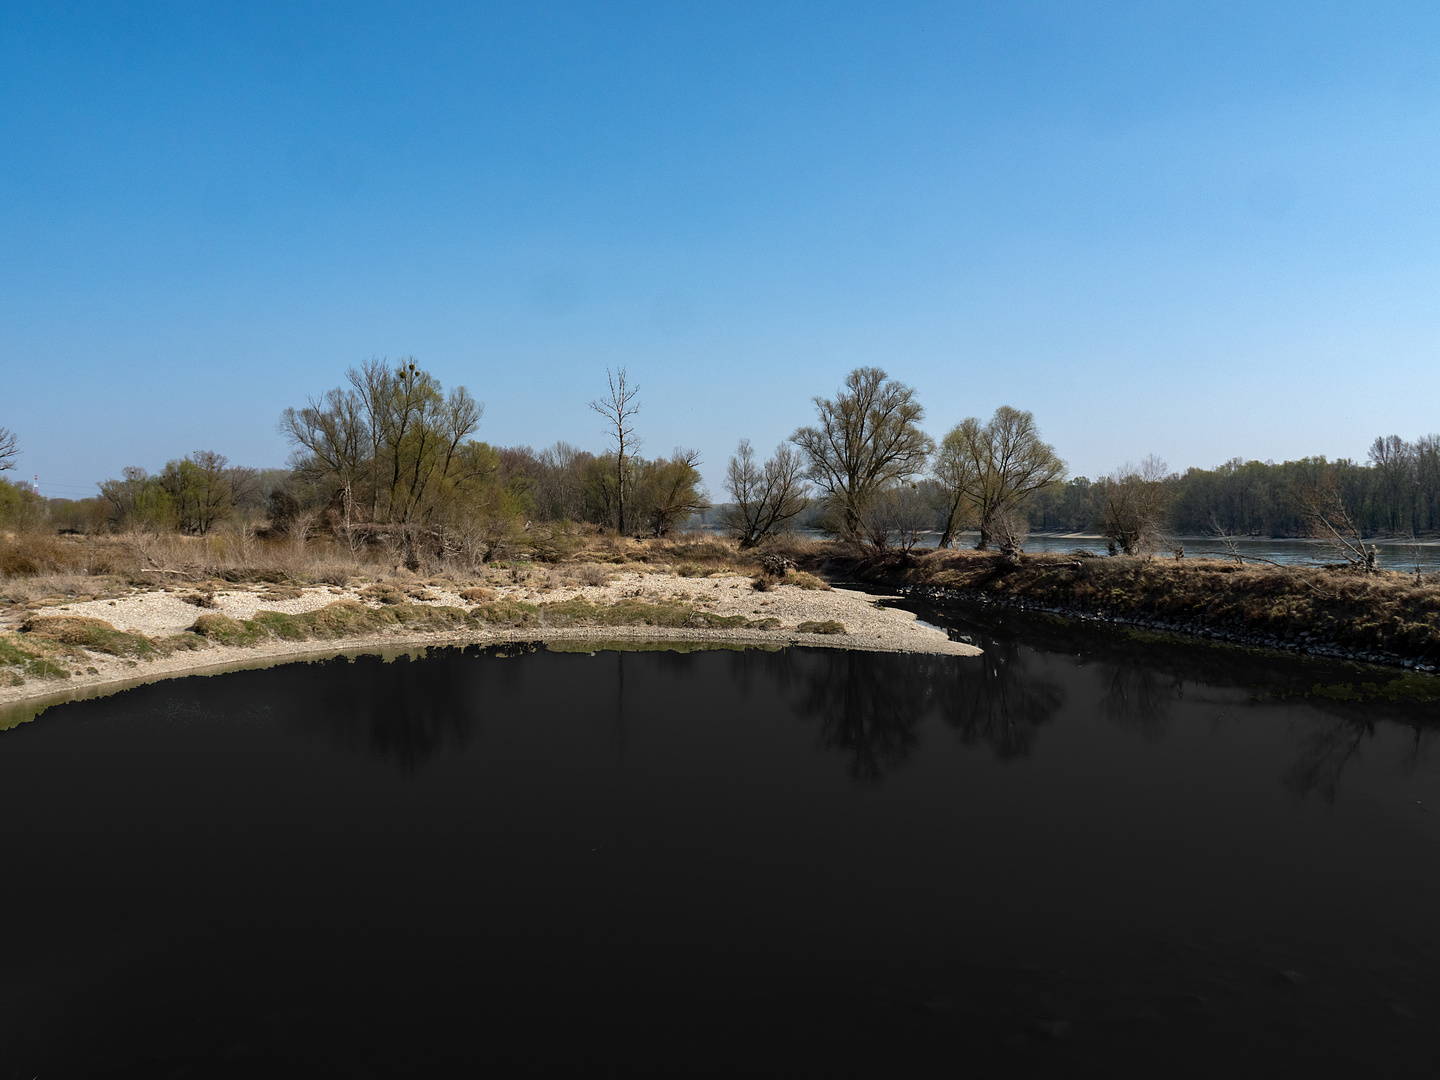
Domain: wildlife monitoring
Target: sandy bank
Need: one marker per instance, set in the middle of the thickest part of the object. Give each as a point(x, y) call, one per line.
point(868, 625)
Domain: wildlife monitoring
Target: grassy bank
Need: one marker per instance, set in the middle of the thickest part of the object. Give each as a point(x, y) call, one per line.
point(1382, 617)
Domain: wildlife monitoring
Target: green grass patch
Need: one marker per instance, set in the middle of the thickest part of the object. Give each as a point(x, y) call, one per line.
point(94, 635)
point(507, 613)
point(31, 660)
point(621, 613)
point(826, 626)
point(342, 619)
point(224, 630)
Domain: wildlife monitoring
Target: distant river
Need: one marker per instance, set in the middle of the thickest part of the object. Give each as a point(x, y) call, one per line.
point(1074, 855)
point(1394, 554)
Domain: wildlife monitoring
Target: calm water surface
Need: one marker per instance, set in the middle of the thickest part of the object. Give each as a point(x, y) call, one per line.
point(1064, 858)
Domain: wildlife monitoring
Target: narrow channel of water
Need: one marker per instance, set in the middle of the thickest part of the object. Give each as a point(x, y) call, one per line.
point(1069, 855)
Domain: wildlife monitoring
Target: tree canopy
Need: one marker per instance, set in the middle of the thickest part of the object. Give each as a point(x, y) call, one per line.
point(867, 437)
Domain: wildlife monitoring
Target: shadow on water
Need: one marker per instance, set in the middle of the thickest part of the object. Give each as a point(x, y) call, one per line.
point(1144, 676)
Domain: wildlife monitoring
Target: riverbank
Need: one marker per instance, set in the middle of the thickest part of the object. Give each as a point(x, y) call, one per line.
point(1382, 618)
point(58, 648)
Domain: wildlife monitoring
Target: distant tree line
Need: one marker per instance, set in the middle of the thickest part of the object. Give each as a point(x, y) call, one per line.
point(390, 457)
point(1395, 492)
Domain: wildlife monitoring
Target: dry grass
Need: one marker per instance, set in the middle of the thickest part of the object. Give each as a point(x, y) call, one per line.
point(1389, 612)
point(802, 580)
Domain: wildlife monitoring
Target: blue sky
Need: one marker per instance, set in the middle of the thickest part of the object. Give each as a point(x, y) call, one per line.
point(1195, 230)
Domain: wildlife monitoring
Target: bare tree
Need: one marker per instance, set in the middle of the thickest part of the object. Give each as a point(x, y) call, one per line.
point(619, 409)
point(868, 438)
point(332, 437)
point(897, 517)
point(1134, 505)
point(1329, 522)
point(560, 486)
point(993, 468)
point(765, 497)
point(8, 449)
point(1393, 460)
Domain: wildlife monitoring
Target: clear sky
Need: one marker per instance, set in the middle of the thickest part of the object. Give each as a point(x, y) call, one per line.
point(1196, 230)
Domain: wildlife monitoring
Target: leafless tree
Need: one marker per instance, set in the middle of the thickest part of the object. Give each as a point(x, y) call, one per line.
point(8, 449)
point(765, 497)
point(619, 409)
point(897, 516)
point(332, 438)
point(1009, 529)
point(1393, 460)
point(1135, 502)
point(1415, 556)
point(1328, 521)
point(868, 437)
point(993, 468)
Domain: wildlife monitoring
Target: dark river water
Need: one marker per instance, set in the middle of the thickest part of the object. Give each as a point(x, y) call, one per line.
point(1078, 856)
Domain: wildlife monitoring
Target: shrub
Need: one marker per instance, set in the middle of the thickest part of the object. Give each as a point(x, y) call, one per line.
point(593, 575)
point(478, 595)
point(382, 593)
point(800, 579)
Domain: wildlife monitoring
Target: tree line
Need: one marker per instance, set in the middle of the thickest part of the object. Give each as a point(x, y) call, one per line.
point(390, 457)
point(1396, 492)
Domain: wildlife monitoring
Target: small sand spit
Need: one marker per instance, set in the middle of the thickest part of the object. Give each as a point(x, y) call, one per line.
point(868, 624)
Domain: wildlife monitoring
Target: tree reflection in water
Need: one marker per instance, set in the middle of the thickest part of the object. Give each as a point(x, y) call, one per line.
point(1138, 698)
point(869, 706)
point(405, 711)
point(1326, 747)
point(1000, 701)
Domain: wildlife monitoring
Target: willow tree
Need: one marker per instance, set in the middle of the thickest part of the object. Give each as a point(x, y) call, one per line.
point(989, 470)
point(868, 437)
point(392, 440)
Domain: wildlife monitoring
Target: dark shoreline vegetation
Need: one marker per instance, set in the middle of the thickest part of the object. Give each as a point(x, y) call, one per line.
point(1334, 613)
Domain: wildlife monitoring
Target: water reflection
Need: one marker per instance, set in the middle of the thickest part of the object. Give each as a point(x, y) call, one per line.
point(869, 706)
point(1002, 701)
point(1327, 746)
point(1138, 698)
point(411, 714)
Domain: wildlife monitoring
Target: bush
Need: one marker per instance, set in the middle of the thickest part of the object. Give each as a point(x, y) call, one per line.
point(801, 580)
point(382, 593)
point(478, 595)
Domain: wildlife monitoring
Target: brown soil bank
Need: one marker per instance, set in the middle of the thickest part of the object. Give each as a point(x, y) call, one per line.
point(1385, 618)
